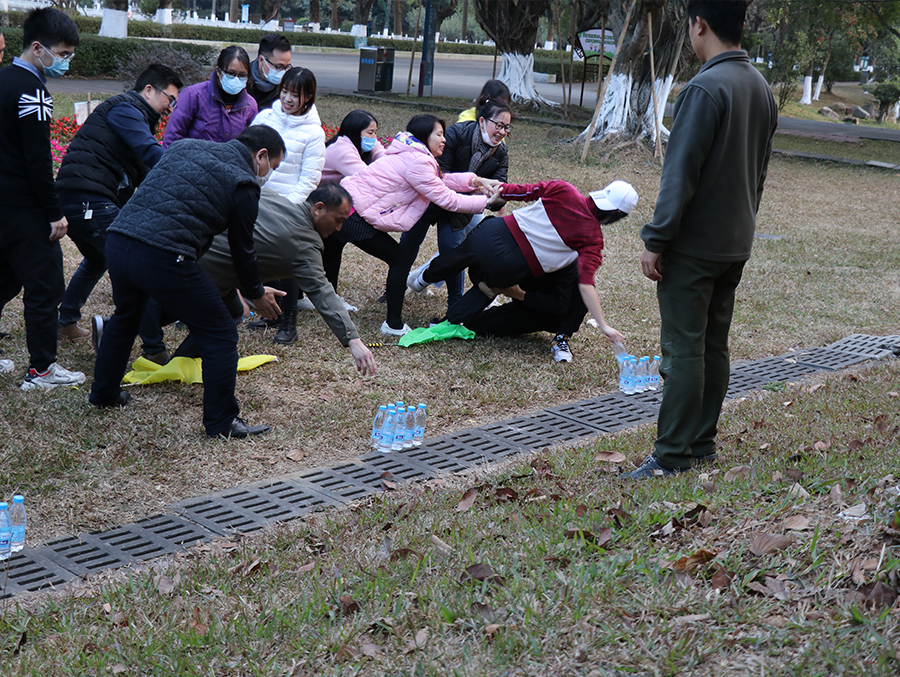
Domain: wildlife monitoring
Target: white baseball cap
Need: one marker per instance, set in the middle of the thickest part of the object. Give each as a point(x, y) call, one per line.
point(619, 195)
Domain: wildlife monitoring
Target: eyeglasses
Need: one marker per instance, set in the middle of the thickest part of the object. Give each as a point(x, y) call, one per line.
point(240, 76)
point(278, 66)
point(172, 100)
point(502, 127)
point(58, 56)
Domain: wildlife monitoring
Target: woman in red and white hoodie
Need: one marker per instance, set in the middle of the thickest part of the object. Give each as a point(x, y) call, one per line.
point(560, 227)
point(391, 194)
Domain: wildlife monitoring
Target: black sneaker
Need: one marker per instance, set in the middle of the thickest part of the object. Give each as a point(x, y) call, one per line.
point(239, 430)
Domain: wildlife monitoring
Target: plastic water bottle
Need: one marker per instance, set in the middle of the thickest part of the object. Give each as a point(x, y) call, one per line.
point(409, 427)
point(399, 404)
point(399, 429)
point(4, 530)
point(623, 371)
point(643, 375)
point(630, 376)
point(387, 430)
point(17, 522)
point(421, 418)
point(654, 373)
point(620, 352)
point(377, 425)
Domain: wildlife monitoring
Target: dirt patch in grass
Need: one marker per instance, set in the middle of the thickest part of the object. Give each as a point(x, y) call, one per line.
point(833, 273)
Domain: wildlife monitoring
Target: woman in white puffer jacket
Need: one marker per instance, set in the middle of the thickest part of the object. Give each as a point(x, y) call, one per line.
point(295, 117)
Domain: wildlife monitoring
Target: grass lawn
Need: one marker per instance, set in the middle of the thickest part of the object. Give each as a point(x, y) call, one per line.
point(782, 559)
point(568, 605)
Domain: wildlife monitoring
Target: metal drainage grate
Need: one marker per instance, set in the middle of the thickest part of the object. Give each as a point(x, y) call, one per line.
point(541, 429)
point(608, 413)
point(29, 571)
point(243, 509)
point(827, 358)
point(299, 497)
point(150, 537)
point(84, 554)
point(334, 484)
point(875, 347)
point(741, 382)
point(781, 368)
point(401, 466)
point(370, 474)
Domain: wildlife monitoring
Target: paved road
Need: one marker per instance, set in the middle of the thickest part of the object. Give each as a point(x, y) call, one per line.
point(460, 76)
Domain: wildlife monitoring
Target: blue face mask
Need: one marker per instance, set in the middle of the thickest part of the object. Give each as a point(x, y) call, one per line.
point(58, 68)
point(232, 84)
point(367, 143)
point(274, 76)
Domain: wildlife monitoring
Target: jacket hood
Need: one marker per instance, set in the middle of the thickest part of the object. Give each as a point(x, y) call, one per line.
point(311, 117)
point(405, 142)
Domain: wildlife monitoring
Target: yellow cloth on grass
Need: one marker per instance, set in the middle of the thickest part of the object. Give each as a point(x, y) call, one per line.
point(184, 369)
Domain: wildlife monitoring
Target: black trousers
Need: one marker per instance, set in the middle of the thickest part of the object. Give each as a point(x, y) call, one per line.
point(29, 260)
point(515, 318)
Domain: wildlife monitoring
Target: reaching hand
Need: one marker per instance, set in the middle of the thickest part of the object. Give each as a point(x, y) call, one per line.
point(267, 305)
point(486, 186)
point(58, 229)
point(365, 362)
point(495, 201)
point(651, 266)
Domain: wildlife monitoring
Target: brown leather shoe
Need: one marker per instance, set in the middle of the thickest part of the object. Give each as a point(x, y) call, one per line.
point(72, 332)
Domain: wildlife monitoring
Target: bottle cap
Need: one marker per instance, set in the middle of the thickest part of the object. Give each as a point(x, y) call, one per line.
point(422, 405)
point(381, 407)
point(4, 505)
point(18, 498)
point(645, 359)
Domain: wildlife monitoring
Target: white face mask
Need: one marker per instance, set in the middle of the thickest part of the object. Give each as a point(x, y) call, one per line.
point(261, 180)
point(486, 137)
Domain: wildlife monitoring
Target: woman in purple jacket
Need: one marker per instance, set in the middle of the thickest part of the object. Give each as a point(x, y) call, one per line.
point(218, 109)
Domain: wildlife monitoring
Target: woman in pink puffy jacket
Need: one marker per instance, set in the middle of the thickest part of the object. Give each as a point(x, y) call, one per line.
point(390, 195)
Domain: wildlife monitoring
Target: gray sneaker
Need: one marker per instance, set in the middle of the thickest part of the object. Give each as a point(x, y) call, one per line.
point(54, 376)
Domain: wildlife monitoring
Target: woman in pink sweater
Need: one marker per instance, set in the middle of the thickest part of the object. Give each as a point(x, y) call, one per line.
point(391, 194)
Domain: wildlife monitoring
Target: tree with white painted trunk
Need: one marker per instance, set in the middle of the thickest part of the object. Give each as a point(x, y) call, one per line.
point(115, 19)
point(361, 18)
point(269, 10)
point(627, 109)
point(513, 25)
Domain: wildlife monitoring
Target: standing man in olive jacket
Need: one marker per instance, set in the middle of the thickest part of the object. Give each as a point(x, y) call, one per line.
point(702, 231)
point(109, 156)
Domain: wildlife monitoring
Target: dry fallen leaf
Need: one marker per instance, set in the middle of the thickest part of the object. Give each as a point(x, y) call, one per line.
point(739, 471)
point(295, 455)
point(306, 568)
point(349, 606)
point(765, 544)
point(859, 566)
point(858, 512)
point(893, 393)
point(795, 523)
point(721, 579)
point(418, 641)
point(344, 653)
point(610, 457)
point(695, 561)
point(468, 500)
point(371, 650)
point(821, 446)
point(166, 585)
point(798, 492)
point(692, 618)
point(836, 493)
point(482, 573)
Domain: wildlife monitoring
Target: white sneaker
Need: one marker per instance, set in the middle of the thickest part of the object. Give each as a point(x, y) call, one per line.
point(6, 366)
point(305, 304)
point(560, 349)
point(414, 280)
point(390, 331)
point(349, 307)
point(54, 376)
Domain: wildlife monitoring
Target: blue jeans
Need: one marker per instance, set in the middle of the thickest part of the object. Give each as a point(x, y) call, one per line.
point(89, 235)
point(447, 239)
point(139, 272)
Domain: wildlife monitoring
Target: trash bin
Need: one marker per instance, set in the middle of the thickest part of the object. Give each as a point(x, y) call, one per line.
point(384, 69)
point(368, 57)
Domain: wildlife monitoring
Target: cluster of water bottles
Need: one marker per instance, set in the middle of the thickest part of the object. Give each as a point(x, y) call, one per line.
point(636, 375)
point(12, 526)
point(397, 427)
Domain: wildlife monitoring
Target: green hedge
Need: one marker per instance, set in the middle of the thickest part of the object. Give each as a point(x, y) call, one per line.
point(102, 57)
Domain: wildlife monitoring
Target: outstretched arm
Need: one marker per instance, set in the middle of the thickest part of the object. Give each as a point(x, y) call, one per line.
point(592, 301)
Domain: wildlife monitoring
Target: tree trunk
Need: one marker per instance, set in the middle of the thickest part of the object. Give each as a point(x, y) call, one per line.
point(234, 11)
point(822, 76)
point(115, 19)
point(443, 12)
point(398, 17)
point(464, 33)
point(512, 25)
point(363, 9)
point(627, 107)
point(314, 15)
point(806, 99)
point(334, 24)
point(164, 12)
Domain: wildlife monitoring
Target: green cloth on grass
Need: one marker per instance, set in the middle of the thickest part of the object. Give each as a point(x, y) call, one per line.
point(439, 332)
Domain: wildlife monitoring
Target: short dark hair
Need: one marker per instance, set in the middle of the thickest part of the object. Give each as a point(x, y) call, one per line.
point(272, 41)
point(49, 27)
point(330, 194)
point(421, 126)
point(352, 126)
point(725, 17)
point(301, 81)
point(488, 107)
point(159, 76)
point(259, 137)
